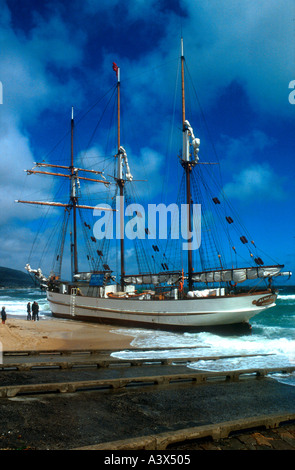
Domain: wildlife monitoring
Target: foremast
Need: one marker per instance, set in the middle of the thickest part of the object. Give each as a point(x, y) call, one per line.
point(72, 173)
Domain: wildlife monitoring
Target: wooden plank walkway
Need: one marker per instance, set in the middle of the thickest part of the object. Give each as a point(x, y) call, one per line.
point(139, 392)
point(217, 433)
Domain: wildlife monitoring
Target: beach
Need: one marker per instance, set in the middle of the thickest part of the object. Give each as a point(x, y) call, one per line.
point(57, 334)
point(270, 343)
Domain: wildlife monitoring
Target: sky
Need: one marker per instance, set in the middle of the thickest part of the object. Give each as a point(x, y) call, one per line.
point(240, 57)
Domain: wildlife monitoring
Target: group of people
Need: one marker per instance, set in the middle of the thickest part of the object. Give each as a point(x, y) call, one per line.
point(33, 314)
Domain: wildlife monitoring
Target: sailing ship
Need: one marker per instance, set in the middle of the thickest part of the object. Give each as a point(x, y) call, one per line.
point(187, 296)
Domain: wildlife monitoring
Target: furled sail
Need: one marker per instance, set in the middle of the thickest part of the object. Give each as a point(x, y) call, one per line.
point(225, 275)
point(155, 279)
point(122, 152)
point(239, 275)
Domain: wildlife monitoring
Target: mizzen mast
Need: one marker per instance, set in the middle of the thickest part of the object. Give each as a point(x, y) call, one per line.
point(122, 159)
point(120, 181)
point(188, 164)
point(187, 168)
point(74, 198)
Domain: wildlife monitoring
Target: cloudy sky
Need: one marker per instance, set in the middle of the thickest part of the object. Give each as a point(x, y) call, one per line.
point(240, 56)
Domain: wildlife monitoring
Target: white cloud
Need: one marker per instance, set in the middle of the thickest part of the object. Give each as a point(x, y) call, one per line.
point(16, 156)
point(33, 68)
point(238, 152)
point(147, 166)
point(29, 87)
point(229, 40)
point(244, 163)
point(256, 182)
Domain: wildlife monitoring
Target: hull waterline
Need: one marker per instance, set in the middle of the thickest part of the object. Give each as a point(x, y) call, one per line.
point(185, 313)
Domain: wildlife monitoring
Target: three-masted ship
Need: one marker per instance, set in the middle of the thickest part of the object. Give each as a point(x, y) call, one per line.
point(187, 297)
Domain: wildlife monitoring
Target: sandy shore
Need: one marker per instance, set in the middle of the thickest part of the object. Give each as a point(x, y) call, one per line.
point(58, 334)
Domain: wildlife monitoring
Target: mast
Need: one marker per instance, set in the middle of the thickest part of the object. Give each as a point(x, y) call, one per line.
point(72, 173)
point(120, 181)
point(74, 198)
point(186, 163)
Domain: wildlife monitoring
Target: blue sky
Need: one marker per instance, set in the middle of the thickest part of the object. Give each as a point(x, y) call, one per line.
point(240, 57)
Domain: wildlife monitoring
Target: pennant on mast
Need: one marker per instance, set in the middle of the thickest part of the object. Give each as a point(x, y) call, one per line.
point(115, 68)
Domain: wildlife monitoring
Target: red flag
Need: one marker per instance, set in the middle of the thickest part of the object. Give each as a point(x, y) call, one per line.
point(115, 68)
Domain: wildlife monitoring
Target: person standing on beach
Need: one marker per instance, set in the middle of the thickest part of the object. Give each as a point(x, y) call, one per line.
point(3, 315)
point(35, 311)
point(29, 311)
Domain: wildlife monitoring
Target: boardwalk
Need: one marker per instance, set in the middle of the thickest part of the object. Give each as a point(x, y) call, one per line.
point(86, 401)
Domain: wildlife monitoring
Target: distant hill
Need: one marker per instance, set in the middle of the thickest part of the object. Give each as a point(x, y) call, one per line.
point(14, 278)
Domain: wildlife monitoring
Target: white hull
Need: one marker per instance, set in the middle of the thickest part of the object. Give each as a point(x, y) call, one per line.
point(200, 312)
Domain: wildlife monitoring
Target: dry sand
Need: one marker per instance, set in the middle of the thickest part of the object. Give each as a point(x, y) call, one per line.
point(58, 334)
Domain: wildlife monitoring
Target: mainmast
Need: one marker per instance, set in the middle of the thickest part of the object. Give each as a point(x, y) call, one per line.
point(74, 199)
point(120, 180)
point(189, 160)
point(187, 167)
point(122, 160)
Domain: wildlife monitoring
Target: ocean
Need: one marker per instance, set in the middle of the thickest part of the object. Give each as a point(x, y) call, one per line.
point(271, 341)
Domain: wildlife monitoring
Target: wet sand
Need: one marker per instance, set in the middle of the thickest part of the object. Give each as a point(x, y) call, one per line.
point(57, 334)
